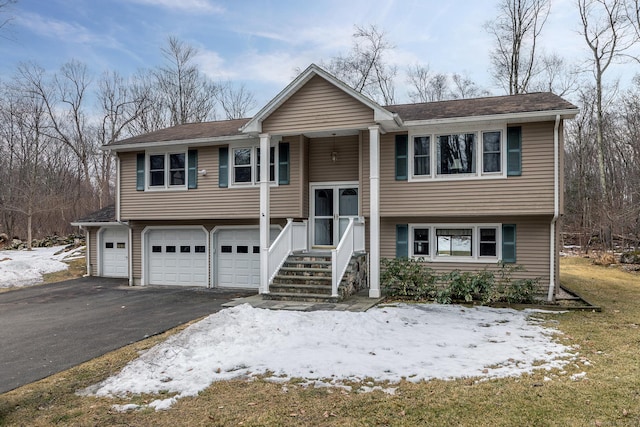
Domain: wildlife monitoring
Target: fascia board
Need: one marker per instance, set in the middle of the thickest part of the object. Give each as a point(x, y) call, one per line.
point(190, 142)
point(513, 117)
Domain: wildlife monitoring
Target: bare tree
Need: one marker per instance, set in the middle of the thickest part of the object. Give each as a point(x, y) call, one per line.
point(429, 87)
point(236, 101)
point(464, 87)
point(606, 31)
point(187, 95)
point(515, 31)
point(556, 76)
point(5, 5)
point(364, 68)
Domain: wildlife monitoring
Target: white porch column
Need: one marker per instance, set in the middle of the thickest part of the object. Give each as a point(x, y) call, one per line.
point(374, 211)
point(265, 140)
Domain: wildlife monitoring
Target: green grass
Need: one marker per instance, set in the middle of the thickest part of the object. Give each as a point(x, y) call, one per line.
point(609, 396)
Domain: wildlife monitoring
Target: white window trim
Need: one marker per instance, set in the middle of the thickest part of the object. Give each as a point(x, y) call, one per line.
point(166, 186)
point(255, 181)
point(476, 258)
point(433, 166)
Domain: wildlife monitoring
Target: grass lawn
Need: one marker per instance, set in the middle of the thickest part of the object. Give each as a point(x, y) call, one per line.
point(609, 395)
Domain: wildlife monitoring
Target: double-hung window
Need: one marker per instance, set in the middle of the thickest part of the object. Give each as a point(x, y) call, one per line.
point(455, 242)
point(491, 152)
point(167, 170)
point(422, 155)
point(246, 165)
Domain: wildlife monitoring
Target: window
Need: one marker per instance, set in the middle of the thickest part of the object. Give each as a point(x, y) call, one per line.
point(170, 249)
point(120, 245)
point(167, 170)
point(185, 249)
point(199, 249)
point(242, 165)
point(242, 249)
point(108, 245)
point(456, 154)
point(454, 242)
point(491, 153)
point(245, 165)
point(421, 155)
point(226, 249)
point(156, 249)
point(488, 242)
point(421, 241)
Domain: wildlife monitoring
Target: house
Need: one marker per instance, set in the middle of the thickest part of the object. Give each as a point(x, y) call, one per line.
point(463, 184)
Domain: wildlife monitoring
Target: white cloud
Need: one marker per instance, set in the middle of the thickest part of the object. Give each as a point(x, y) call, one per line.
point(194, 6)
point(54, 28)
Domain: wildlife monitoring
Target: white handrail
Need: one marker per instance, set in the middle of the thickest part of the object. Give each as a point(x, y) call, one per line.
point(293, 237)
point(352, 241)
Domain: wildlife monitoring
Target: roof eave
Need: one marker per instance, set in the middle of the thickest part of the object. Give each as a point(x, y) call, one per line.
point(176, 142)
point(520, 117)
point(95, 223)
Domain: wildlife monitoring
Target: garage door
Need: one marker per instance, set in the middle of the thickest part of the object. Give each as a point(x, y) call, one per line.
point(238, 257)
point(114, 252)
point(177, 257)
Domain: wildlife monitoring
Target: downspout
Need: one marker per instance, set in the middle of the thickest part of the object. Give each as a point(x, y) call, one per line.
point(556, 210)
point(87, 243)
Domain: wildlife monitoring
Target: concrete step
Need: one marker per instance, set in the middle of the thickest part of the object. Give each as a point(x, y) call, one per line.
point(302, 280)
point(287, 296)
point(305, 270)
point(293, 288)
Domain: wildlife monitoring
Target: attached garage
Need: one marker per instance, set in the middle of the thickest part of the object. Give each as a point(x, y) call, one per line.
point(176, 256)
point(113, 252)
point(238, 257)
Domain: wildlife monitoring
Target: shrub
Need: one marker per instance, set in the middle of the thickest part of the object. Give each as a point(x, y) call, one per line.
point(408, 278)
point(632, 257)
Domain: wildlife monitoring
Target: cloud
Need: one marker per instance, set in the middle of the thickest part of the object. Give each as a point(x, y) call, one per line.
point(54, 28)
point(193, 6)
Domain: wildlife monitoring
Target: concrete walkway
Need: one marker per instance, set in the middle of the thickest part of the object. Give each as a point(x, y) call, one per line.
point(358, 302)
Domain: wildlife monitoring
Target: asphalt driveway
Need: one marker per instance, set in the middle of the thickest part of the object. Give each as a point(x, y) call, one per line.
point(47, 329)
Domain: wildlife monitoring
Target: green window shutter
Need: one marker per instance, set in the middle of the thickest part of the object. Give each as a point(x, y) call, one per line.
point(401, 157)
point(140, 160)
point(508, 243)
point(402, 240)
point(192, 176)
point(283, 163)
point(514, 151)
point(223, 167)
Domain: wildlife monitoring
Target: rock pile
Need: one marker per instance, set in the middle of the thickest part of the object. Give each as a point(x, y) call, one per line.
point(73, 240)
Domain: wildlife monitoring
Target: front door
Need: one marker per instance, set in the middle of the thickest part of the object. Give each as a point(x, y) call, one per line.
point(331, 209)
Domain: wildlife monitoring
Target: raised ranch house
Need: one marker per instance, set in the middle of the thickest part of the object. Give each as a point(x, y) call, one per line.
point(308, 195)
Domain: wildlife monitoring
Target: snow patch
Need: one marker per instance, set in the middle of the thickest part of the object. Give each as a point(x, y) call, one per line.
point(415, 342)
point(25, 268)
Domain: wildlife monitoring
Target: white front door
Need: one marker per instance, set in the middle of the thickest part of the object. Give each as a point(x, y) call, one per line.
point(331, 208)
point(114, 252)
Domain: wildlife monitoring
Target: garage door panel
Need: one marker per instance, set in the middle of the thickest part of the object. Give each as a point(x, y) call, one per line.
point(238, 257)
point(177, 263)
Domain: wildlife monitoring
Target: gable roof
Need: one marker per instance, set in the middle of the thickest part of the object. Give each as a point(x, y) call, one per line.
point(491, 106)
point(380, 114)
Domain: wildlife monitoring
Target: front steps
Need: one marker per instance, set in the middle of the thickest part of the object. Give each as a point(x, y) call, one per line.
point(306, 276)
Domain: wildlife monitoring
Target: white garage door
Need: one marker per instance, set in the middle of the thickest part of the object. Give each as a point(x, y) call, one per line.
point(238, 257)
point(114, 252)
point(177, 257)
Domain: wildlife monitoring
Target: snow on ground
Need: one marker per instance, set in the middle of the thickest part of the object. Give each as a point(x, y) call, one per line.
point(412, 341)
point(25, 268)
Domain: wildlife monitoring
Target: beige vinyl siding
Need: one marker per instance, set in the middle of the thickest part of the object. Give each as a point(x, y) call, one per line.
point(323, 169)
point(530, 193)
point(318, 105)
point(532, 244)
point(304, 181)
point(208, 200)
point(93, 250)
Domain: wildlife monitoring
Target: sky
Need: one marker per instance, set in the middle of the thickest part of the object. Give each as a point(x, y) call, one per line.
point(261, 43)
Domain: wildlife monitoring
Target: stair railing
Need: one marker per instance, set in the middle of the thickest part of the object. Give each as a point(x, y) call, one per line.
point(352, 241)
point(293, 237)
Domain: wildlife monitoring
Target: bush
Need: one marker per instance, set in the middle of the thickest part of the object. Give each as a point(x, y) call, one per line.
point(632, 257)
point(408, 278)
point(411, 279)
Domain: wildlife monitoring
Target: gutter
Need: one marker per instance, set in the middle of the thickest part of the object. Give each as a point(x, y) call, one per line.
point(556, 210)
